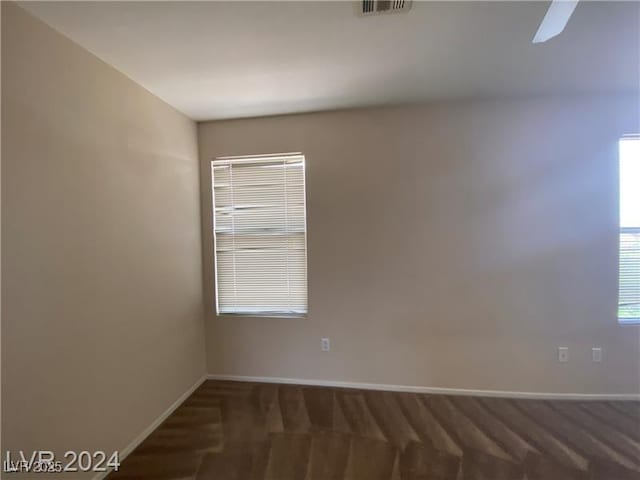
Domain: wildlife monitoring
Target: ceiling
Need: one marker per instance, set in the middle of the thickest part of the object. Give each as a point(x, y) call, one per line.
point(214, 60)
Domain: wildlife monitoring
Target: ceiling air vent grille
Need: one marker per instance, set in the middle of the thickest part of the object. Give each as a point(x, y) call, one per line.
point(371, 7)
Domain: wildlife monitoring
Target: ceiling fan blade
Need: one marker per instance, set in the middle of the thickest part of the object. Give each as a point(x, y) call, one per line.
point(555, 20)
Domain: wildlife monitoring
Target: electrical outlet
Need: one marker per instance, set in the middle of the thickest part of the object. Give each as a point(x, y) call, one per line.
point(563, 354)
point(596, 354)
point(325, 344)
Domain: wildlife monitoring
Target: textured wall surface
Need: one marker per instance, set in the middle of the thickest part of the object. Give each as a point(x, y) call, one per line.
point(101, 278)
point(451, 245)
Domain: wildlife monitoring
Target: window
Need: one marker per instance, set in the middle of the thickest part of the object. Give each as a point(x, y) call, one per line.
point(260, 235)
point(629, 296)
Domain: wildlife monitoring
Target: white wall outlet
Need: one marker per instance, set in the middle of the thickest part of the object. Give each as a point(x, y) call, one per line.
point(596, 354)
point(325, 344)
point(563, 354)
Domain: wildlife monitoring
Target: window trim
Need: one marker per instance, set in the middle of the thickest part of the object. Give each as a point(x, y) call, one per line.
point(249, 157)
point(621, 230)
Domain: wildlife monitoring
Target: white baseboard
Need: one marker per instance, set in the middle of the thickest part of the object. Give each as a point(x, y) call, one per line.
point(431, 390)
point(155, 424)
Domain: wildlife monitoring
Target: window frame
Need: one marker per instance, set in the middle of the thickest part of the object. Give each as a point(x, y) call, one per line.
point(292, 315)
point(624, 230)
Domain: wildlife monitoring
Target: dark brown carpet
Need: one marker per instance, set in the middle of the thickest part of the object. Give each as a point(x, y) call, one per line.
point(250, 431)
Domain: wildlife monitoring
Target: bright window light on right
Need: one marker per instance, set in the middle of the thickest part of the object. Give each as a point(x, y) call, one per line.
point(629, 266)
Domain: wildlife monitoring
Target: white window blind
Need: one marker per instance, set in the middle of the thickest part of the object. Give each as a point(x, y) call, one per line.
point(629, 266)
point(260, 235)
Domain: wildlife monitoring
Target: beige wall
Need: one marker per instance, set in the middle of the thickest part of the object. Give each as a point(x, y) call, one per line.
point(453, 245)
point(101, 272)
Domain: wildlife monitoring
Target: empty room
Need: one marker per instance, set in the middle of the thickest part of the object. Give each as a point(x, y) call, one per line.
point(320, 240)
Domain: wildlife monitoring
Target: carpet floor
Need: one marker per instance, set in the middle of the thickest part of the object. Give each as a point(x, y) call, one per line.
point(250, 431)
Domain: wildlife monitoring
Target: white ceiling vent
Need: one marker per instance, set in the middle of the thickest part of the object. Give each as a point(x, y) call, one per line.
point(373, 7)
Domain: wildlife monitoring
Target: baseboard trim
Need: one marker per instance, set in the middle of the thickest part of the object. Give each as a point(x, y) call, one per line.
point(155, 424)
point(432, 390)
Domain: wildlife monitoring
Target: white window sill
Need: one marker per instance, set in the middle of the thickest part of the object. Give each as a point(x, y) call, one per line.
point(262, 315)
